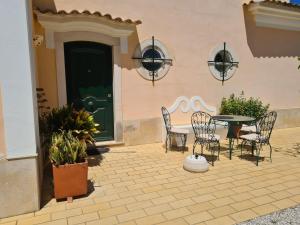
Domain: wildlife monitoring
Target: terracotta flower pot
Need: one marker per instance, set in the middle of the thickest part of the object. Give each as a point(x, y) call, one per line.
point(70, 180)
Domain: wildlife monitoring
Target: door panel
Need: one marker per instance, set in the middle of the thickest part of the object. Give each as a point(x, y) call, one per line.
point(89, 82)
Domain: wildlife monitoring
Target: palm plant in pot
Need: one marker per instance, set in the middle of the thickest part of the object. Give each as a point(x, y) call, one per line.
point(67, 132)
point(240, 105)
point(69, 165)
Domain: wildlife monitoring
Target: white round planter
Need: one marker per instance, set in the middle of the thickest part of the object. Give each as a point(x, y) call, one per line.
point(195, 164)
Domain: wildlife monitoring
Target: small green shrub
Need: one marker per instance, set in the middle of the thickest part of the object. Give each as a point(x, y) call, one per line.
point(66, 149)
point(252, 107)
point(81, 123)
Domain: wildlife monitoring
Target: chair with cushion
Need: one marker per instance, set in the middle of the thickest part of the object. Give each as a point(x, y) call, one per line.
point(204, 129)
point(261, 136)
point(172, 131)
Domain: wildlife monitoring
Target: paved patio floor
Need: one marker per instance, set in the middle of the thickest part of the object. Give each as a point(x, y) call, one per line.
point(144, 185)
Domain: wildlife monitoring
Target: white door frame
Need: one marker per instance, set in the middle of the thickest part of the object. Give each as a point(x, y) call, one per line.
point(60, 39)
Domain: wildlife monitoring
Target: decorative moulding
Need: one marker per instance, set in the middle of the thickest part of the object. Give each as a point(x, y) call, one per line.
point(54, 23)
point(195, 103)
point(279, 18)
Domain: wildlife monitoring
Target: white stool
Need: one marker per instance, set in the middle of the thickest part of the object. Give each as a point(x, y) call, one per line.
point(194, 163)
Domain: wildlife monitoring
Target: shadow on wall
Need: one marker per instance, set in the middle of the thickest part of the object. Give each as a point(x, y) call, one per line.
point(45, 5)
point(269, 42)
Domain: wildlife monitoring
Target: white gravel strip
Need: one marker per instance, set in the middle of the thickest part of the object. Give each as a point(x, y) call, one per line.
point(290, 216)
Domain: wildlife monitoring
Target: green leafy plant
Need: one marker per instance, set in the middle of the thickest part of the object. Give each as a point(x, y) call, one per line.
point(81, 123)
point(66, 149)
point(239, 105)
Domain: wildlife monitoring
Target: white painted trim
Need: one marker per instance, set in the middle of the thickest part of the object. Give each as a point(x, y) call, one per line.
point(159, 46)
point(56, 23)
point(212, 56)
point(186, 105)
point(278, 18)
point(60, 39)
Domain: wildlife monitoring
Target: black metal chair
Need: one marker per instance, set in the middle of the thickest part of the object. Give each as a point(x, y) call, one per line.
point(204, 129)
point(173, 131)
point(261, 136)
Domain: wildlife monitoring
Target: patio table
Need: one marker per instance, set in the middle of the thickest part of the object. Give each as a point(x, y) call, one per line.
point(234, 123)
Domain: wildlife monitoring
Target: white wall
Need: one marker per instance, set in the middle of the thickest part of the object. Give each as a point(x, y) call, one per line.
point(17, 78)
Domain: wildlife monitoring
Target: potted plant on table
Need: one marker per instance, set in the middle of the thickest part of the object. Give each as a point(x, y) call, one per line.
point(69, 165)
point(239, 105)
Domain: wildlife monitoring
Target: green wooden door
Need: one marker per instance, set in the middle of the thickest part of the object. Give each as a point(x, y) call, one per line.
point(88, 68)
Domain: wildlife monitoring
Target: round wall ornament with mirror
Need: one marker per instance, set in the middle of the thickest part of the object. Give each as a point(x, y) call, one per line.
point(222, 62)
point(152, 59)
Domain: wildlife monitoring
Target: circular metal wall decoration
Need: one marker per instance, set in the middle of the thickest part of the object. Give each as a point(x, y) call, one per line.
point(222, 62)
point(153, 60)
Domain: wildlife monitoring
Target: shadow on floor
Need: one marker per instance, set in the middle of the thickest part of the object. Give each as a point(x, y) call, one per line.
point(293, 150)
point(95, 156)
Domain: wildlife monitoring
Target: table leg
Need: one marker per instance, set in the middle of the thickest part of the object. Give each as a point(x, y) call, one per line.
point(230, 147)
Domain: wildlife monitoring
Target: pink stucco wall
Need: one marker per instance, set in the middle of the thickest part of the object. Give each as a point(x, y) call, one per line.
point(190, 30)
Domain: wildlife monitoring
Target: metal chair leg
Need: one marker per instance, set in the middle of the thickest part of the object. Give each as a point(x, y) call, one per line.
point(212, 154)
point(219, 149)
point(258, 153)
point(270, 151)
point(166, 143)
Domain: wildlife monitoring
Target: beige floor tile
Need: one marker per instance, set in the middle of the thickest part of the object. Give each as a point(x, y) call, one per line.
point(149, 220)
point(15, 218)
point(106, 221)
point(295, 198)
point(162, 200)
point(182, 203)
point(263, 200)
point(221, 211)
point(242, 196)
point(203, 198)
point(66, 213)
point(222, 201)
point(96, 207)
point(147, 196)
point(198, 217)
point(136, 182)
point(281, 195)
point(8, 223)
point(199, 207)
point(132, 215)
point(260, 192)
point(122, 201)
point(34, 220)
point(284, 203)
point(243, 215)
point(112, 211)
point(56, 222)
point(176, 213)
point(225, 220)
point(158, 209)
point(80, 204)
point(265, 209)
point(83, 218)
point(139, 205)
point(174, 222)
point(240, 206)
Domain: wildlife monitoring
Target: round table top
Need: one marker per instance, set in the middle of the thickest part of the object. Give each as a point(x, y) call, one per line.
point(233, 118)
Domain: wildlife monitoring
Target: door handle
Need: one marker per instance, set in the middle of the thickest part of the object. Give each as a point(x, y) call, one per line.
point(109, 95)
